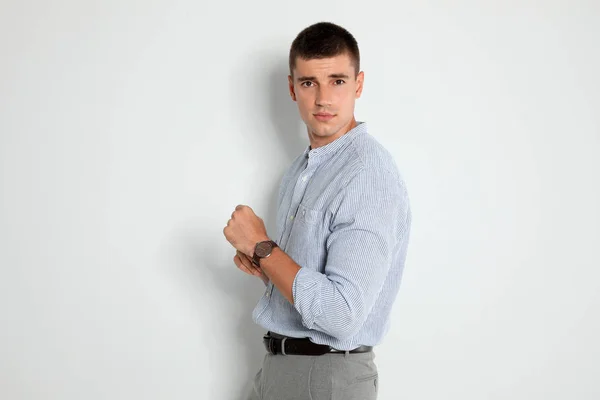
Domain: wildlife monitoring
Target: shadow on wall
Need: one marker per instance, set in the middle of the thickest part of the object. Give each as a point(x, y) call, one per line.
point(290, 133)
point(203, 266)
point(288, 128)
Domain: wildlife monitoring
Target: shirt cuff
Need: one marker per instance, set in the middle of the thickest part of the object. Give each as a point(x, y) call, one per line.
point(305, 291)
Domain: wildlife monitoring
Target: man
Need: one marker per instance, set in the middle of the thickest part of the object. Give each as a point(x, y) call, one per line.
point(343, 221)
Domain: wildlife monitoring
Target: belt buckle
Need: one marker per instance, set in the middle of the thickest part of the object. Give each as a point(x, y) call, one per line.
point(271, 344)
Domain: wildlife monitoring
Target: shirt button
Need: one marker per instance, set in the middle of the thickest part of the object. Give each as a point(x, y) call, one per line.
point(292, 217)
point(304, 179)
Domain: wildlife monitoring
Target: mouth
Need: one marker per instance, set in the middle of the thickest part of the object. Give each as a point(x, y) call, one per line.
point(324, 116)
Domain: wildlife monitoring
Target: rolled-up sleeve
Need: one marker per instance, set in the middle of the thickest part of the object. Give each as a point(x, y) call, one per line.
point(369, 220)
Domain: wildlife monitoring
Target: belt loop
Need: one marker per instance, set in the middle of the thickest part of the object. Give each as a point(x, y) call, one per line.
point(346, 353)
point(283, 346)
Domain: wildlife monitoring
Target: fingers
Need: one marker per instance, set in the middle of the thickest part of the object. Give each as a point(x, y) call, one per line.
point(244, 263)
point(240, 265)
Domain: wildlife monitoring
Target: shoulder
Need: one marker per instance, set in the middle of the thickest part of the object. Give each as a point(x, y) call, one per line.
point(373, 182)
point(375, 165)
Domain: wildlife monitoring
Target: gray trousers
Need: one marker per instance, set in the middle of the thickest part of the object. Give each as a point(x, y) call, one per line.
point(345, 376)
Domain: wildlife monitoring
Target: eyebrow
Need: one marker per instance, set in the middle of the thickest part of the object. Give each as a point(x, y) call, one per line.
point(314, 78)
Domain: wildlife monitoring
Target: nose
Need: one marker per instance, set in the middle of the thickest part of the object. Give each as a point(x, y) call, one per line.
point(323, 98)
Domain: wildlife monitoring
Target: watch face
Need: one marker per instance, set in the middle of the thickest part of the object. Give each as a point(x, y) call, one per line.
point(263, 249)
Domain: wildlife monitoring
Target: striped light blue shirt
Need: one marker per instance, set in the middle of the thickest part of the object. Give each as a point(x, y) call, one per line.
point(344, 216)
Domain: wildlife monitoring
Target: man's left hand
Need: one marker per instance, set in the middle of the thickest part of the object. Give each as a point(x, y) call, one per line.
point(245, 229)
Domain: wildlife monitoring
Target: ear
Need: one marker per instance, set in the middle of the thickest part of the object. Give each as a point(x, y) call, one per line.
point(291, 87)
point(360, 78)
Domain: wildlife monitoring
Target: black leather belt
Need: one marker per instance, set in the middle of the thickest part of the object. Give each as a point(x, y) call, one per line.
point(303, 346)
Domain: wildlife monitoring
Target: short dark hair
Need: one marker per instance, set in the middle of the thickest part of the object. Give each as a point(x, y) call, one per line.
point(324, 40)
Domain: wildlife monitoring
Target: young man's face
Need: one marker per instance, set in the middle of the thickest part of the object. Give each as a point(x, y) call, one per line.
point(325, 90)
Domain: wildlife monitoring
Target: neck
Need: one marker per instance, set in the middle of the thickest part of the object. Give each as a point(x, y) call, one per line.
point(316, 141)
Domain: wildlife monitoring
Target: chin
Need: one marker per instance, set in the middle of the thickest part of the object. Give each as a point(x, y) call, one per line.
point(324, 128)
point(323, 132)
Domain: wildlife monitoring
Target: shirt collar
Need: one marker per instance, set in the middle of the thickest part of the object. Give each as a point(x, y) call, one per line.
point(323, 152)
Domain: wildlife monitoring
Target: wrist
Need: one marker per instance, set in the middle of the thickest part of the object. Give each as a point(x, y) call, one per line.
point(253, 244)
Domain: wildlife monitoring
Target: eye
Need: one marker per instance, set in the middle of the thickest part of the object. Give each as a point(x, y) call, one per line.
point(340, 80)
point(304, 84)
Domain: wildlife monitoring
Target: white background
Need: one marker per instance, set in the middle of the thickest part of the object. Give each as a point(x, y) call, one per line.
point(129, 131)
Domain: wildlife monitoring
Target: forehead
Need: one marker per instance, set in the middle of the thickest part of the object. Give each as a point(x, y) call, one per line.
point(323, 66)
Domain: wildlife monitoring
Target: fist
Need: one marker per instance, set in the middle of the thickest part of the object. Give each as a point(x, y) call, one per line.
point(244, 229)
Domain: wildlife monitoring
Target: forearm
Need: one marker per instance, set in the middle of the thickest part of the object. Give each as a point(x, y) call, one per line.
point(281, 269)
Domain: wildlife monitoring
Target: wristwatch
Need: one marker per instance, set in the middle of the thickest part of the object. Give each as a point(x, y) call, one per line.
point(263, 250)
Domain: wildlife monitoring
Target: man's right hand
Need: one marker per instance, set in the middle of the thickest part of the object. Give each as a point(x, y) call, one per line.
point(245, 264)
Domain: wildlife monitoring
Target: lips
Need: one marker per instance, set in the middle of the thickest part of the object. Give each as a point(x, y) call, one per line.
point(323, 116)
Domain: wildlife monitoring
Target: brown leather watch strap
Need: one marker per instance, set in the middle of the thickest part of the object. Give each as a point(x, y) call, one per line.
point(256, 258)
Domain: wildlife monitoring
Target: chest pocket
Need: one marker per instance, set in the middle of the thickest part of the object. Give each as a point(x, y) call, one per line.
point(304, 242)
